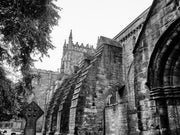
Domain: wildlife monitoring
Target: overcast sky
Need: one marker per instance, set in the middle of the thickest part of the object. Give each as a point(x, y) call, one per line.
point(89, 19)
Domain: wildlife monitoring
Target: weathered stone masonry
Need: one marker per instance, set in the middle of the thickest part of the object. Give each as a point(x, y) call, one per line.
point(94, 87)
point(131, 85)
point(153, 37)
point(43, 83)
point(93, 83)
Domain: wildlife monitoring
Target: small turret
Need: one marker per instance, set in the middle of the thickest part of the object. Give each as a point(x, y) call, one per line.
point(91, 47)
point(87, 46)
point(98, 40)
point(62, 67)
point(77, 44)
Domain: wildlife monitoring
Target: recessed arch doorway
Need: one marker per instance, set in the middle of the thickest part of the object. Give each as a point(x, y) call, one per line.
point(164, 79)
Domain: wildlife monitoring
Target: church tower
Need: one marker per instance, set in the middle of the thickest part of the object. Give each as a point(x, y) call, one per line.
point(73, 54)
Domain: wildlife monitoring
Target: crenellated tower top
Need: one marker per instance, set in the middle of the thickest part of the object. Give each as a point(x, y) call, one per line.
point(76, 46)
point(73, 53)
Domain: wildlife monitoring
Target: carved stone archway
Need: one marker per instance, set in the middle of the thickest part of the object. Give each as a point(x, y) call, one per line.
point(164, 77)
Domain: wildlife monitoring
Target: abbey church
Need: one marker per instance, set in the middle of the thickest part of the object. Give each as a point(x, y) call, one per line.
point(128, 85)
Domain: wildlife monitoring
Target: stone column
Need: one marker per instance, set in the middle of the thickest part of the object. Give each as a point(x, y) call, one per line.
point(44, 126)
point(58, 129)
point(44, 122)
point(50, 132)
point(163, 114)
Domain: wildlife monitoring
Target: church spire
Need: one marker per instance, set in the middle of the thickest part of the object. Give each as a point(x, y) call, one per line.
point(70, 35)
point(70, 38)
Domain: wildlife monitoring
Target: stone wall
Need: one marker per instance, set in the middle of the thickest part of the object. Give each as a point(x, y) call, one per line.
point(42, 84)
point(113, 93)
point(109, 74)
point(116, 122)
point(155, 22)
point(161, 15)
point(94, 86)
point(127, 38)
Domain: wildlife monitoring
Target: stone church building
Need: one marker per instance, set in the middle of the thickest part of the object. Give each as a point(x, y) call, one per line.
point(128, 85)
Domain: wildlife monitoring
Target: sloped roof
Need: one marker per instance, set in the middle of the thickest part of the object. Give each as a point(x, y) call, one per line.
point(145, 24)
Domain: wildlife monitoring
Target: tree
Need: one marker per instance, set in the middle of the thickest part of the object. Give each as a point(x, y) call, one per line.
point(6, 97)
point(12, 100)
point(25, 27)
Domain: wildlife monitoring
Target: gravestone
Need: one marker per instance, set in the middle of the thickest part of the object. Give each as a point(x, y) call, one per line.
point(31, 113)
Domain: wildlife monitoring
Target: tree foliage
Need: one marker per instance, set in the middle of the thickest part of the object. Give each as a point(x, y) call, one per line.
point(12, 99)
point(25, 27)
point(6, 97)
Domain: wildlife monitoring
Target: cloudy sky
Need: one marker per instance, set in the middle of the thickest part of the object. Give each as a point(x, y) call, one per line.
point(89, 19)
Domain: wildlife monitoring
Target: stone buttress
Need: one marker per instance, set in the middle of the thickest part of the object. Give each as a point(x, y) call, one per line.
point(93, 87)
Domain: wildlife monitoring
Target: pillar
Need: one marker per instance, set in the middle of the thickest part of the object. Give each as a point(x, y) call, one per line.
point(58, 129)
point(50, 132)
point(163, 114)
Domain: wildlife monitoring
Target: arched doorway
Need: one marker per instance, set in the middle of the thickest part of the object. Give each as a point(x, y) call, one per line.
point(164, 79)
